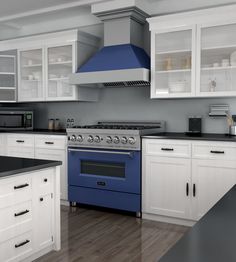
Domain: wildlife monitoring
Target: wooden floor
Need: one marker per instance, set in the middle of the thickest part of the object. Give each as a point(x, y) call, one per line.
point(96, 236)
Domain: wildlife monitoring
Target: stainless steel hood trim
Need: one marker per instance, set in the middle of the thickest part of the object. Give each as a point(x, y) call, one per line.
point(101, 77)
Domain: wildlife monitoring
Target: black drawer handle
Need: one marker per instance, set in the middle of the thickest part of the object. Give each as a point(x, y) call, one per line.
point(194, 190)
point(167, 149)
point(101, 183)
point(217, 152)
point(21, 186)
point(20, 141)
point(45, 180)
point(41, 199)
point(22, 243)
point(187, 189)
point(49, 143)
point(21, 213)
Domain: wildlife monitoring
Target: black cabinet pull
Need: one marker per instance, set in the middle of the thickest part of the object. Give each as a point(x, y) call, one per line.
point(194, 190)
point(217, 152)
point(187, 189)
point(41, 199)
point(167, 149)
point(49, 143)
point(21, 186)
point(22, 243)
point(21, 213)
point(45, 180)
point(20, 141)
point(101, 183)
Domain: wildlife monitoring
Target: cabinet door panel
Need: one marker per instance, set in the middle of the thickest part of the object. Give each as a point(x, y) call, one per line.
point(164, 186)
point(173, 63)
point(212, 179)
point(44, 221)
point(217, 60)
point(31, 79)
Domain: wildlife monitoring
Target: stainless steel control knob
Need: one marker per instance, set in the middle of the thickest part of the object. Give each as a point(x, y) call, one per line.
point(116, 140)
point(124, 140)
point(79, 138)
point(90, 139)
point(97, 139)
point(72, 138)
point(109, 139)
point(132, 140)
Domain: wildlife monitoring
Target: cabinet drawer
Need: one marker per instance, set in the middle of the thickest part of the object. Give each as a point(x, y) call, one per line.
point(15, 190)
point(20, 140)
point(50, 142)
point(225, 151)
point(18, 151)
point(15, 215)
point(18, 248)
point(168, 148)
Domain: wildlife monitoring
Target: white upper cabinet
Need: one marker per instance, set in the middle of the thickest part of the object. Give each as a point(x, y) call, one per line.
point(8, 83)
point(217, 60)
point(30, 80)
point(193, 54)
point(173, 63)
point(60, 63)
point(44, 63)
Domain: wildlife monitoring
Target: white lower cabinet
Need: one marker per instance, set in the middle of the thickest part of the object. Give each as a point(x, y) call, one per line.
point(49, 147)
point(185, 188)
point(29, 215)
point(166, 182)
point(212, 179)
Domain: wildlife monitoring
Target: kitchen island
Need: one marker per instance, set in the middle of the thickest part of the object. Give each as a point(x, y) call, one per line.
point(212, 239)
point(29, 208)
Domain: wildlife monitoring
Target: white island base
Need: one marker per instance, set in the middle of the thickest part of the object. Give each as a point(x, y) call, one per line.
point(29, 214)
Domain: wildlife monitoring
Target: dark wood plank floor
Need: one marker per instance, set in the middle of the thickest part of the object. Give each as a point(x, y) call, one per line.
point(96, 236)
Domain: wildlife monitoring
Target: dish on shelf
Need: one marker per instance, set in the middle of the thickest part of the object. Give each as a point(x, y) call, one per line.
point(178, 86)
point(233, 59)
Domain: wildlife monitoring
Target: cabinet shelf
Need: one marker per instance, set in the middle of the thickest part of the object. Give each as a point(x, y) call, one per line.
point(7, 87)
point(58, 79)
point(34, 65)
point(173, 71)
point(7, 73)
point(218, 68)
point(66, 63)
point(174, 52)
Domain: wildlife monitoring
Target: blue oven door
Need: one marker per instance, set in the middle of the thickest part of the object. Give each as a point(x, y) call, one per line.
point(115, 170)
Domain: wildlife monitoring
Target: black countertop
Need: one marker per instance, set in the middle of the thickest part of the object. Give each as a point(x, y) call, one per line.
point(37, 132)
point(184, 136)
point(212, 239)
point(14, 165)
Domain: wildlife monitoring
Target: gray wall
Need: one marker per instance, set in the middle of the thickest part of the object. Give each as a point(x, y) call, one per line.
point(134, 104)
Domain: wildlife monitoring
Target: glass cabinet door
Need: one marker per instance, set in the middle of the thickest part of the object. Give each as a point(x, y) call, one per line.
point(217, 60)
point(172, 66)
point(60, 65)
point(31, 75)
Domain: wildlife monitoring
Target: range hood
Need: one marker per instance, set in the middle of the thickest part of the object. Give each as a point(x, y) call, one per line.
point(122, 62)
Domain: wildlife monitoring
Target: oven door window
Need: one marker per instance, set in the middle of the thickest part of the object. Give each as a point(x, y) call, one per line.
point(10, 121)
point(107, 169)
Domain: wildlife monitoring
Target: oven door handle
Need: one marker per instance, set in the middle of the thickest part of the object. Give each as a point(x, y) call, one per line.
point(130, 154)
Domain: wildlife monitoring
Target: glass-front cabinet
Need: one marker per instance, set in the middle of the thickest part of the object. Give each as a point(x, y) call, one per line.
point(217, 60)
point(31, 77)
point(60, 64)
point(7, 77)
point(173, 63)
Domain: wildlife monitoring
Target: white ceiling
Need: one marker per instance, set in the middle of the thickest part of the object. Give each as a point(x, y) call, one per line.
point(25, 17)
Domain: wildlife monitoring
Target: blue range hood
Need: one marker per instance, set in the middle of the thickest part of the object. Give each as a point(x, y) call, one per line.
point(117, 65)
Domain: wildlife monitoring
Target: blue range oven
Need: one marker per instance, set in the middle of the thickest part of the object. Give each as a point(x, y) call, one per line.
point(105, 177)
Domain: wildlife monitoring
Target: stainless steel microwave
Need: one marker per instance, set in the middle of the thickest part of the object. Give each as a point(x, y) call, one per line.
point(16, 120)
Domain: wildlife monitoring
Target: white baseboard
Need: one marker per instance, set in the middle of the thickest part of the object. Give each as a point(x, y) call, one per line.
point(65, 203)
point(170, 220)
